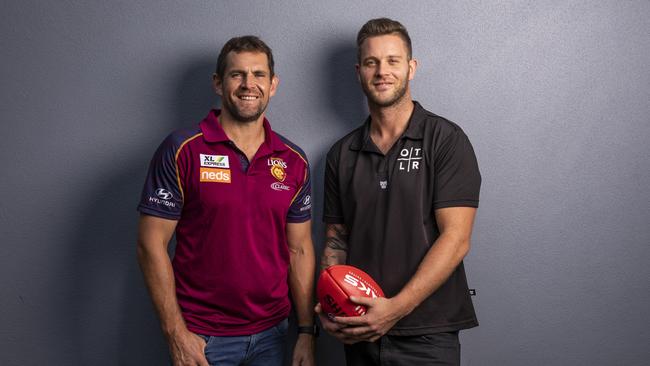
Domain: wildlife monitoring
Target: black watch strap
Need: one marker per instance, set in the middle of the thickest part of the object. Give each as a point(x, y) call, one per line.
point(309, 329)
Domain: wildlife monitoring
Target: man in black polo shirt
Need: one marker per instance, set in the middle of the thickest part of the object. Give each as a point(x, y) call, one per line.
point(401, 193)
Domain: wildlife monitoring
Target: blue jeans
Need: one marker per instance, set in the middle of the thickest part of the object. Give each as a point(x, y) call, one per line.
point(265, 348)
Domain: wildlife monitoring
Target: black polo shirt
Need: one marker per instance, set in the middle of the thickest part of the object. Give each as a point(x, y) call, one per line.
point(387, 202)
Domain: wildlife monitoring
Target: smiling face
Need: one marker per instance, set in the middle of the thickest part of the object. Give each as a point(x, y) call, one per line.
point(247, 86)
point(385, 69)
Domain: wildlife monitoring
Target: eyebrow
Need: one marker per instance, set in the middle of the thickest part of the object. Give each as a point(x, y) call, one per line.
point(242, 71)
point(377, 58)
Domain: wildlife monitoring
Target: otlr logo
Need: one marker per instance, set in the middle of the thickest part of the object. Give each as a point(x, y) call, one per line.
point(215, 175)
point(409, 159)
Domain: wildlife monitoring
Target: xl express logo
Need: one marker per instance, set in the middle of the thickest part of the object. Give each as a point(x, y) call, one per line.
point(214, 161)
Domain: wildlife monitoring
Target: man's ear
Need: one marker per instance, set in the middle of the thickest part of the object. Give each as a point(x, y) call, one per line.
point(413, 65)
point(275, 81)
point(216, 84)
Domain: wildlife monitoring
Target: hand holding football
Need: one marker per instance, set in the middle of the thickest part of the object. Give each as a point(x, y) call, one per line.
point(337, 283)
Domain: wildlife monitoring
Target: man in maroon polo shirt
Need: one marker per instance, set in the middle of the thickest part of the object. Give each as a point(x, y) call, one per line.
point(237, 195)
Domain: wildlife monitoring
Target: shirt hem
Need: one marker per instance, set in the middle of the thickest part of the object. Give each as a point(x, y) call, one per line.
point(452, 327)
point(237, 332)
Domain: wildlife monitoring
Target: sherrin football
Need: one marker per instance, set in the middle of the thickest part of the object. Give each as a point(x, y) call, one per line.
point(337, 283)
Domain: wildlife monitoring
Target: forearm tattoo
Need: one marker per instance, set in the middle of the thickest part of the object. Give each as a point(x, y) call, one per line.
point(336, 246)
point(337, 237)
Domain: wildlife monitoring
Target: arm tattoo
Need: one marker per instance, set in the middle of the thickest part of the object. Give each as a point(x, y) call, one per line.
point(336, 246)
point(337, 237)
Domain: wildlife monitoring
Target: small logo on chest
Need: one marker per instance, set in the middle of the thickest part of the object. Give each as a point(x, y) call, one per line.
point(410, 159)
point(214, 161)
point(277, 168)
point(276, 162)
point(277, 186)
point(214, 175)
point(278, 173)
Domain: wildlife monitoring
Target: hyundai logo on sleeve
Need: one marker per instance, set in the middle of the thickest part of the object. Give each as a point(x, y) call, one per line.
point(164, 194)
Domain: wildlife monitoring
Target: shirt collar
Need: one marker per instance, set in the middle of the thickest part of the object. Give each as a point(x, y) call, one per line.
point(414, 130)
point(213, 132)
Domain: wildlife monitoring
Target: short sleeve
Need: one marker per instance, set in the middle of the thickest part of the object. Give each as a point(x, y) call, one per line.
point(333, 212)
point(162, 195)
point(457, 177)
point(300, 210)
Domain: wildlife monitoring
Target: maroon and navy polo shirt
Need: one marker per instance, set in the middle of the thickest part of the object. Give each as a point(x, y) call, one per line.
point(231, 261)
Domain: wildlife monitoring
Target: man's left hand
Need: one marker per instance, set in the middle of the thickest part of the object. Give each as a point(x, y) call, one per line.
point(303, 353)
point(381, 315)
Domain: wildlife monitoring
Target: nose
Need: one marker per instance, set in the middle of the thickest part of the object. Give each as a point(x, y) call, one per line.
point(248, 82)
point(382, 68)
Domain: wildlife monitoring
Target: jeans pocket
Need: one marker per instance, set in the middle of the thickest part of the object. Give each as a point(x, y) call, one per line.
point(205, 338)
point(445, 339)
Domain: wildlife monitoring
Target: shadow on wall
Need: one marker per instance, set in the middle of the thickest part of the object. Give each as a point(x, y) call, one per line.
point(113, 320)
point(347, 105)
point(345, 97)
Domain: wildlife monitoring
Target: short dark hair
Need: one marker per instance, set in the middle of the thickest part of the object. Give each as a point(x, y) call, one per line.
point(243, 44)
point(380, 27)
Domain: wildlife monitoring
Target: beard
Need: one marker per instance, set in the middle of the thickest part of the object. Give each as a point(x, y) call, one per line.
point(393, 99)
point(397, 96)
point(243, 115)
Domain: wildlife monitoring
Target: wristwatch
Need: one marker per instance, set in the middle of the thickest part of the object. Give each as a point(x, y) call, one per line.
point(309, 329)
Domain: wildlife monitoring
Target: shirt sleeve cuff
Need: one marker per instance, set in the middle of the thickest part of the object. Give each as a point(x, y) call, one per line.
point(152, 212)
point(455, 203)
point(299, 219)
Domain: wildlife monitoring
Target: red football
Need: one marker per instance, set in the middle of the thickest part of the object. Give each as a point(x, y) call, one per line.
point(337, 283)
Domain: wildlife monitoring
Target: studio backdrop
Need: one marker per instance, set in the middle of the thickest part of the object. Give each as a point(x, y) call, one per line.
point(554, 95)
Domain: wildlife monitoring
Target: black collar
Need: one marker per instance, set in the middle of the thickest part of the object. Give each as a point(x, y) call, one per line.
point(414, 130)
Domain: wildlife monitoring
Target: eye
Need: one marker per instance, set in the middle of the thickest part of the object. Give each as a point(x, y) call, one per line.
point(260, 74)
point(370, 63)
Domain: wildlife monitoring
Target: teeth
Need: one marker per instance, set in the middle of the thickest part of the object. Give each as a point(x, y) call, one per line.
point(245, 97)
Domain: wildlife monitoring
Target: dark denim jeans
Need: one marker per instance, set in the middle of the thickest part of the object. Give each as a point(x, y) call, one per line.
point(430, 349)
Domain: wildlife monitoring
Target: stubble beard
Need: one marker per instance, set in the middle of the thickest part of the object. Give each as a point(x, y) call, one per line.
point(397, 96)
point(240, 116)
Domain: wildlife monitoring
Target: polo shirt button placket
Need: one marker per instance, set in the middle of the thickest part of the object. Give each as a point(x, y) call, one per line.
point(382, 172)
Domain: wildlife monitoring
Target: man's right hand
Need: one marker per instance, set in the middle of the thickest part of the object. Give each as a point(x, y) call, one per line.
point(187, 349)
point(333, 328)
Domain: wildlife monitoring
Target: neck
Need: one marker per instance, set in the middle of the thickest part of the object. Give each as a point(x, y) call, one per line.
point(247, 136)
point(391, 121)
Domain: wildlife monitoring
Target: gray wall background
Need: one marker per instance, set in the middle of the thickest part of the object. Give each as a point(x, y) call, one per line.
point(554, 95)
